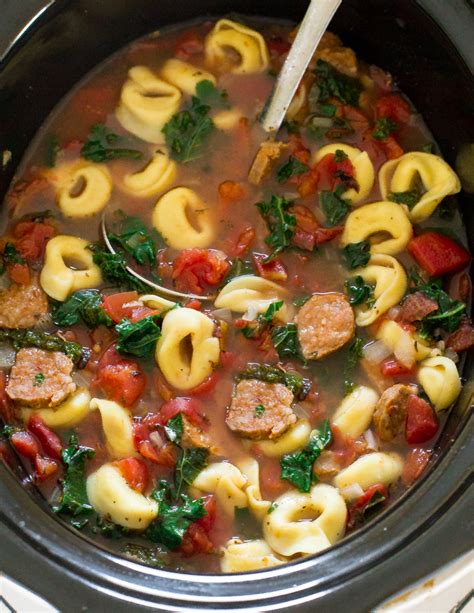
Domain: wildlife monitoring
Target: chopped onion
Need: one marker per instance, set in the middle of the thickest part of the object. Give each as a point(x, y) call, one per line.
point(371, 440)
point(404, 350)
point(224, 314)
point(7, 356)
point(352, 491)
point(290, 195)
point(251, 313)
point(452, 355)
point(156, 439)
point(376, 351)
point(320, 122)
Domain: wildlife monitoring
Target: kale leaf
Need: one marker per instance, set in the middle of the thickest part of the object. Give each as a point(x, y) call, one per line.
point(384, 127)
point(99, 146)
point(174, 428)
point(255, 327)
point(74, 499)
point(145, 555)
point(85, 305)
point(280, 223)
point(291, 168)
point(356, 255)
point(190, 463)
point(208, 93)
point(334, 206)
point(332, 83)
point(114, 269)
point(11, 255)
point(354, 354)
point(297, 467)
point(239, 267)
point(138, 338)
point(285, 341)
point(410, 197)
point(135, 239)
point(358, 291)
point(276, 374)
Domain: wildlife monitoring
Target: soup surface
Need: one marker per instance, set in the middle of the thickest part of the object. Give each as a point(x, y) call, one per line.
point(290, 380)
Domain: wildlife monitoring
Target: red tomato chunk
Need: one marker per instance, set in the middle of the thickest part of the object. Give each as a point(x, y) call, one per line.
point(438, 254)
point(422, 423)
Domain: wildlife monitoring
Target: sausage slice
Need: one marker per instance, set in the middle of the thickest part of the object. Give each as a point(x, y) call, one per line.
point(260, 410)
point(40, 378)
point(325, 324)
point(22, 306)
point(267, 155)
point(391, 411)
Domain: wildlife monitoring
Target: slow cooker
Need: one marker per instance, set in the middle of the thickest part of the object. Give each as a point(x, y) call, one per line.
point(46, 46)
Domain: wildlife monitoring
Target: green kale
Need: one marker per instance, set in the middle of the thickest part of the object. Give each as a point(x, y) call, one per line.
point(99, 146)
point(74, 499)
point(109, 530)
point(280, 223)
point(356, 255)
point(428, 148)
point(24, 337)
point(190, 463)
point(138, 338)
point(384, 127)
point(354, 354)
point(39, 379)
point(358, 291)
point(259, 410)
point(114, 269)
point(11, 255)
point(239, 267)
point(334, 206)
point(187, 131)
point(340, 156)
point(135, 239)
point(272, 507)
point(145, 555)
point(301, 300)
point(327, 110)
point(85, 305)
point(255, 328)
point(174, 428)
point(276, 374)
point(410, 197)
point(285, 341)
point(291, 168)
point(297, 467)
point(208, 93)
point(332, 83)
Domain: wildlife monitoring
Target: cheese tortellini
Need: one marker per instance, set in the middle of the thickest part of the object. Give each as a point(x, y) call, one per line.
point(57, 279)
point(354, 414)
point(296, 437)
point(406, 347)
point(250, 469)
point(238, 556)
point(375, 221)
point(154, 178)
point(146, 104)
point(67, 415)
point(390, 282)
point(364, 170)
point(292, 528)
point(173, 217)
point(117, 426)
point(248, 44)
point(437, 177)
point(84, 190)
point(184, 76)
point(226, 482)
point(440, 380)
point(249, 291)
point(369, 469)
point(227, 119)
point(187, 352)
point(112, 498)
point(157, 302)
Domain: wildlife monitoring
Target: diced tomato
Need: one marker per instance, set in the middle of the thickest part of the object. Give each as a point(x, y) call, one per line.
point(274, 270)
point(190, 407)
point(196, 540)
point(343, 446)
point(135, 473)
point(206, 386)
point(194, 304)
point(438, 254)
point(422, 423)
point(118, 306)
point(278, 45)
point(357, 119)
point(394, 107)
point(195, 268)
point(244, 241)
point(391, 148)
point(331, 173)
point(189, 43)
point(26, 444)
point(227, 359)
point(6, 406)
point(270, 482)
point(357, 510)
point(19, 273)
point(164, 455)
point(307, 182)
point(393, 368)
point(208, 520)
point(44, 467)
point(298, 150)
point(49, 440)
point(230, 191)
point(120, 379)
point(32, 237)
point(323, 235)
point(415, 464)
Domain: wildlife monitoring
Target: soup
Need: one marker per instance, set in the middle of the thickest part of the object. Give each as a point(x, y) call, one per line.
point(222, 351)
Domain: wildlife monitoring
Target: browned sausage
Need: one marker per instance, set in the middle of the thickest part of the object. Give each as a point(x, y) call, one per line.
point(416, 306)
point(267, 154)
point(22, 306)
point(391, 411)
point(325, 323)
point(40, 378)
point(260, 410)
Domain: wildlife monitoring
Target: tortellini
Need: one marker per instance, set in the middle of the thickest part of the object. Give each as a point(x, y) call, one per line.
point(187, 352)
point(183, 219)
point(157, 302)
point(184, 76)
point(250, 469)
point(239, 557)
point(364, 170)
point(67, 415)
point(57, 279)
point(377, 220)
point(154, 178)
point(248, 44)
point(406, 347)
point(297, 103)
point(227, 119)
point(226, 482)
point(390, 283)
point(146, 104)
point(296, 437)
point(292, 528)
point(354, 414)
point(369, 469)
point(249, 291)
point(84, 190)
point(117, 426)
point(112, 498)
point(438, 179)
point(440, 379)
